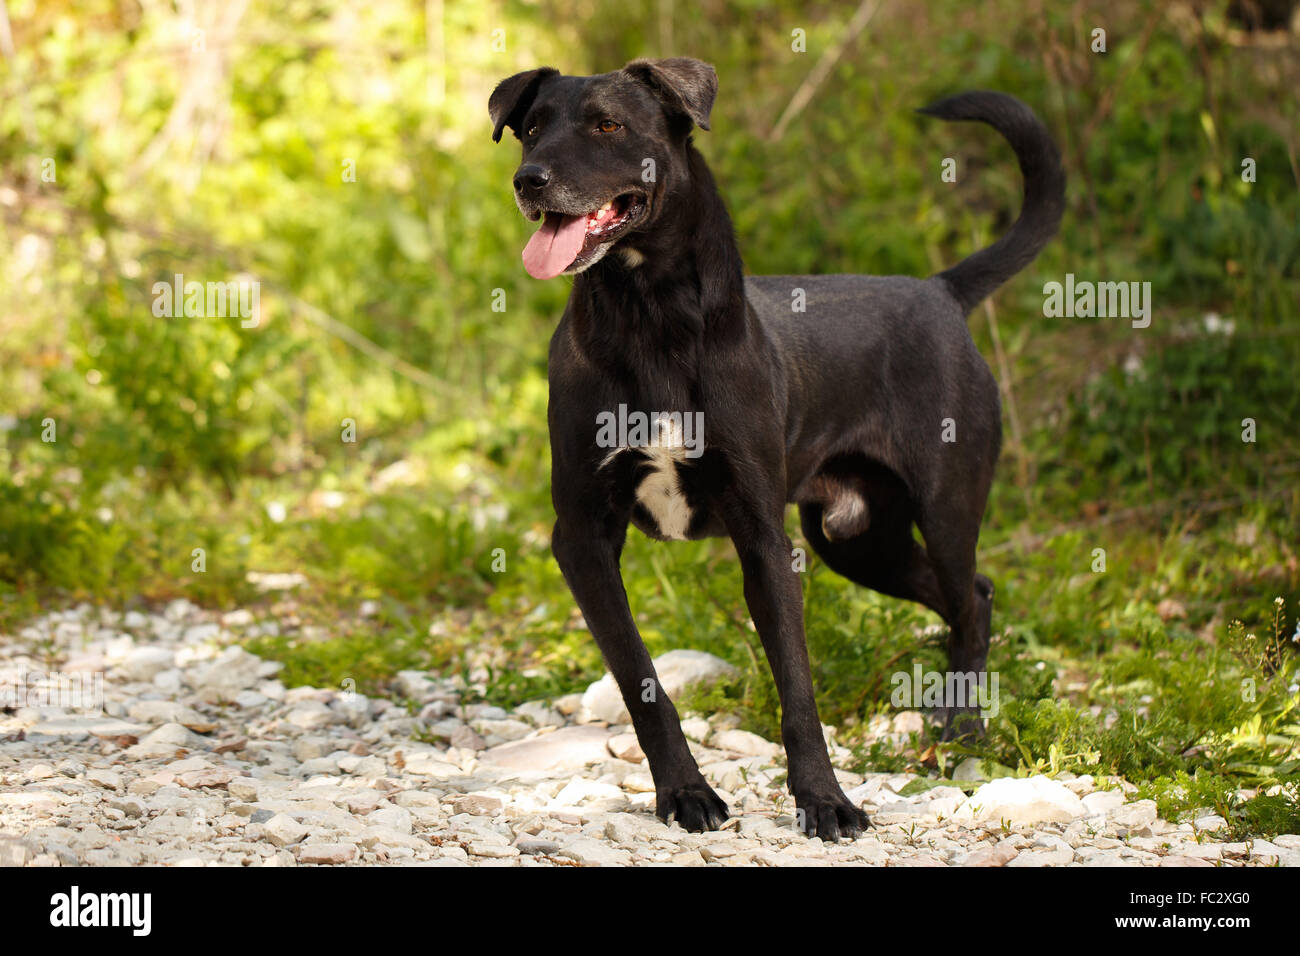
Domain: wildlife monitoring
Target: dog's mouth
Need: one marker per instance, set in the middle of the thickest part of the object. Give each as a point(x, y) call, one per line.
point(565, 243)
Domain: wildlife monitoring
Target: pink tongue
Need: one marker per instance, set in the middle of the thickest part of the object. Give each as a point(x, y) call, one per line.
point(555, 245)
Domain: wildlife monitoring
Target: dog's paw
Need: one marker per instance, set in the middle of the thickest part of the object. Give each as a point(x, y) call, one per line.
point(694, 806)
point(830, 816)
point(963, 725)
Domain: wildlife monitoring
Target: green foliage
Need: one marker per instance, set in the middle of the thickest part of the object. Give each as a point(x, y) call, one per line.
point(1177, 418)
point(329, 663)
point(1183, 796)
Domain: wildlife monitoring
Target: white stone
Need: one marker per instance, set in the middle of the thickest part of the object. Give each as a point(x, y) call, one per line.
point(909, 722)
point(501, 731)
point(743, 742)
point(13, 852)
point(1053, 857)
point(143, 663)
point(234, 670)
point(396, 818)
point(416, 685)
point(166, 740)
point(696, 728)
point(325, 853)
point(80, 726)
point(1021, 802)
point(677, 671)
point(591, 852)
point(1101, 801)
point(570, 748)
point(170, 712)
point(429, 763)
point(283, 830)
point(579, 791)
point(1133, 816)
point(311, 715)
point(108, 779)
point(626, 747)
point(540, 713)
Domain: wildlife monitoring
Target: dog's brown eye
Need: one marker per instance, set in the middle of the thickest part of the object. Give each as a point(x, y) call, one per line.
point(609, 126)
point(532, 131)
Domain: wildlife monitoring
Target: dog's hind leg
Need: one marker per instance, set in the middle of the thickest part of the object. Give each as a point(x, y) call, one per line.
point(887, 559)
point(883, 558)
point(775, 602)
point(950, 543)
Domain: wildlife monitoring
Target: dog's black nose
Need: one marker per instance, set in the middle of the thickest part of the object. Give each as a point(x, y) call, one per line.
point(532, 177)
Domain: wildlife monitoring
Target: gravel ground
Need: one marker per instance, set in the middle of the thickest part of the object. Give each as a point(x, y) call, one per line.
point(200, 756)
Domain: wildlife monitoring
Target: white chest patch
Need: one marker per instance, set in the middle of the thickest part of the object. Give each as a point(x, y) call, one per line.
point(660, 491)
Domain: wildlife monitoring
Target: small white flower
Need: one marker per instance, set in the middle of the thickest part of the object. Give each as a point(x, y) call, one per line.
point(1215, 325)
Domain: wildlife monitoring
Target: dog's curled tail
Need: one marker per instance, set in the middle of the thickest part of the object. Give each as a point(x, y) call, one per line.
point(976, 276)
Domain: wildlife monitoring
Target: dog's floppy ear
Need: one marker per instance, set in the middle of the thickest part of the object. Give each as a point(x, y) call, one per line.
point(685, 85)
point(513, 96)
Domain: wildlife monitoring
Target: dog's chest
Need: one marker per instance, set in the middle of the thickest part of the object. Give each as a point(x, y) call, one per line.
point(668, 487)
point(660, 495)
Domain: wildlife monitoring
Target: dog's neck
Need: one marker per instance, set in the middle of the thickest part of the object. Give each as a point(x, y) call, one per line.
point(662, 294)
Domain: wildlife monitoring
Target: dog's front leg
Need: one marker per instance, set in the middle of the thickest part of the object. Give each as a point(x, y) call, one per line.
point(589, 558)
point(775, 601)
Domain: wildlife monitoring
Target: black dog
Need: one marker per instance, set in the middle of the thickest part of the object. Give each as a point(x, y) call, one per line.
point(873, 411)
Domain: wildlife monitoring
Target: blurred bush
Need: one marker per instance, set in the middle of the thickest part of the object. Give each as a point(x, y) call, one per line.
point(340, 157)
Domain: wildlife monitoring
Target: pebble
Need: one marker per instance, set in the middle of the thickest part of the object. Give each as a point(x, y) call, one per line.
point(326, 853)
point(477, 804)
point(1102, 801)
point(200, 756)
point(282, 830)
point(1021, 802)
point(108, 779)
point(999, 855)
point(677, 670)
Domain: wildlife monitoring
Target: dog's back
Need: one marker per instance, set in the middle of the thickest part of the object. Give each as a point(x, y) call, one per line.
point(860, 342)
point(850, 343)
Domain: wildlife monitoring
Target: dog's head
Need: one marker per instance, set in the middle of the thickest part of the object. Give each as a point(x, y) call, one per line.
point(600, 153)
